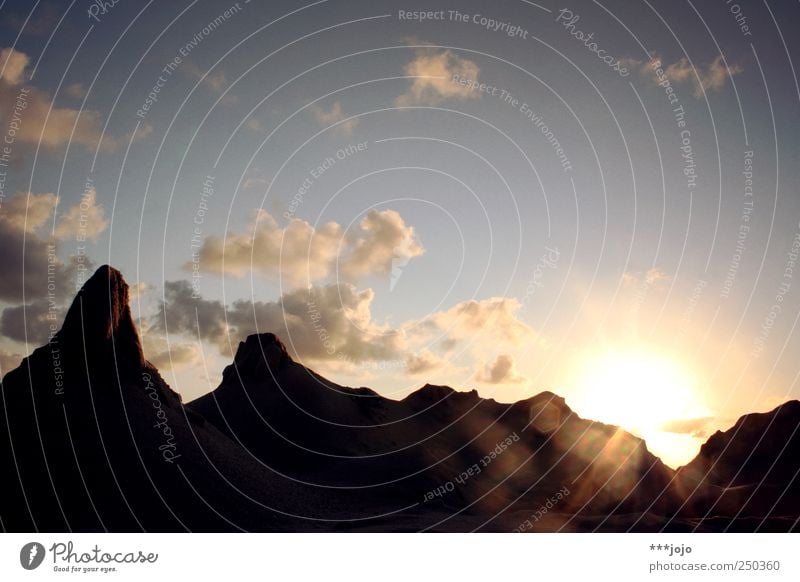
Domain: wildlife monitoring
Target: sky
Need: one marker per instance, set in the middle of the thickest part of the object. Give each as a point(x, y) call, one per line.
point(594, 198)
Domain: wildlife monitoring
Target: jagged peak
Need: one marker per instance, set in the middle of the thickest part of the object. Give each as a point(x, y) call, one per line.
point(100, 317)
point(257, 356)
point(430, 392)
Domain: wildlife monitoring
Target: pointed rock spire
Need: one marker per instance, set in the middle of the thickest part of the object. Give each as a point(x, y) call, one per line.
point(257, 357)
point(100, 319)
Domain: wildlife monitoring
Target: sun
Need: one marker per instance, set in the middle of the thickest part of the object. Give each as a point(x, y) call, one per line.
point(641, 391)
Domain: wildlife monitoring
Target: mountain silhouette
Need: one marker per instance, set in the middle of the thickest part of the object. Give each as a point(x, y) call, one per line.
point(310, 428)
point(750, 470)
point(93, 439)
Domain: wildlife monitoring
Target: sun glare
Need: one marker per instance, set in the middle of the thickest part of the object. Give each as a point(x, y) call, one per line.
point(641, 392)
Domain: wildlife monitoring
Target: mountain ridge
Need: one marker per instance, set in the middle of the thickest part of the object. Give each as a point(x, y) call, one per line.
point(277, 447)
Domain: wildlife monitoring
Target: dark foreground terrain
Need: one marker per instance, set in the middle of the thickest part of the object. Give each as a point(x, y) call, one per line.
point(93, 439)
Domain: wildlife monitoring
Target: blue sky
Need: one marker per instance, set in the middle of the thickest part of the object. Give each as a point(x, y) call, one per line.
point(452, 245)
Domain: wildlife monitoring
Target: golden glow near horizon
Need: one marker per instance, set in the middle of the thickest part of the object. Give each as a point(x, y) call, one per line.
point(641, 391)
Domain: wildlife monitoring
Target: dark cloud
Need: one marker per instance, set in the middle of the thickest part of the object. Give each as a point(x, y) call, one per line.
point(181, 312)
point(422, 362)
point(30, 269)
point(24, 269)
point(501, 371)
point(27, 322)
point(332, 322)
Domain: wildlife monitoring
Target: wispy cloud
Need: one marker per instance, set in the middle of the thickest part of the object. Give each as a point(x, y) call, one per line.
point(214, 80)
point(75, 90)
point(42, 122)
point(335, 115)
point(649, 277)
point(710, 76)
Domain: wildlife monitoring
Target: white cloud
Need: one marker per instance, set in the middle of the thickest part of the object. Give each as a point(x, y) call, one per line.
point(297, 253)
point(382, 237)
point(300, 254)
point(478, 328)
point(40, 121)
point(489, 322)
point(30, 212)
point(434, 71)
point(27, 212)
point(86, 220)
